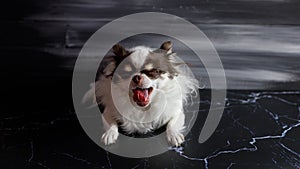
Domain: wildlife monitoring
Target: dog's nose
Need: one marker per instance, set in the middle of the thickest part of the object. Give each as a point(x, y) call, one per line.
point(137, 79)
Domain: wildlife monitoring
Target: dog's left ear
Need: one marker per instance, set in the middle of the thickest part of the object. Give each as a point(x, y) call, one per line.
point(167, 46)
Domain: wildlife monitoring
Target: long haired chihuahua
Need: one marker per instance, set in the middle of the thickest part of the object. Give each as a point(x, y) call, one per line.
point(143, 89)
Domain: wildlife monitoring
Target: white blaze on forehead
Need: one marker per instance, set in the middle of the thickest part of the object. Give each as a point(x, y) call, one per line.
point(139, 55)
point(149, 66)
point(127, 68)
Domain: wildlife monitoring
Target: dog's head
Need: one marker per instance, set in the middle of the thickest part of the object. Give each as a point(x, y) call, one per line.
point(143, 71)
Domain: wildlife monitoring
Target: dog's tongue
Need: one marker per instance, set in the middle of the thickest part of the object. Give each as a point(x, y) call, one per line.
point(140, 95)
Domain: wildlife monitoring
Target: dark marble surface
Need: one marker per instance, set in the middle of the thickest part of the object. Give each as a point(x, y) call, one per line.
point(258, 130)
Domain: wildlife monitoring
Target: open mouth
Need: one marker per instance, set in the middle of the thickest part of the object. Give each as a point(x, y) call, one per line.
point(142, 96)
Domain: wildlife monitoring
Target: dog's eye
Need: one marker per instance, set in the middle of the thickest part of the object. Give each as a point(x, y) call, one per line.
point(153, 73)
point(125, 75)
point(127, 68)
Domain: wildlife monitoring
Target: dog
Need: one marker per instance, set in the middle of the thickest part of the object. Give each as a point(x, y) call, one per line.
point(143, 89)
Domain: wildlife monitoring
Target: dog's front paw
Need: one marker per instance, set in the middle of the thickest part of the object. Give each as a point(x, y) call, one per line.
point(110, 136)
point(175, 138)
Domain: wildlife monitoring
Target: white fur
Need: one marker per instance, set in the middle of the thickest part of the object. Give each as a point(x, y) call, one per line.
point(149, 66)
point(139, 55)
point(167, 101)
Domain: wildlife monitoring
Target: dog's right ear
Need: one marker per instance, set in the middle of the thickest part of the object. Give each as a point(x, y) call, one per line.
point(120, 52)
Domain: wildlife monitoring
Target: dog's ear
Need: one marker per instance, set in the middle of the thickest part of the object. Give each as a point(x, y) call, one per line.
point(120, 51)
point(120, 54)
point(167, 46)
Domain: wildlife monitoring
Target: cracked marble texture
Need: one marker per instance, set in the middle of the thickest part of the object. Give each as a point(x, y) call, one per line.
point(259, 129)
